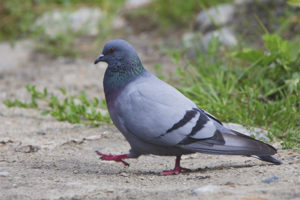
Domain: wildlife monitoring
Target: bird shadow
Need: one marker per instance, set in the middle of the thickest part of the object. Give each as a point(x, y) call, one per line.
point(225, 167)
point(197, 170)
point(85, 168)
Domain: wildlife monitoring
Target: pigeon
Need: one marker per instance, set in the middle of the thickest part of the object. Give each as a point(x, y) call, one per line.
point(155, 118)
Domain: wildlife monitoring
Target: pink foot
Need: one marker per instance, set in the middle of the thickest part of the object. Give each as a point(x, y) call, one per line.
point(177, 169)
point(116, 158)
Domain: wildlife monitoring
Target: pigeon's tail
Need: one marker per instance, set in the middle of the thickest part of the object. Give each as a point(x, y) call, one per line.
point(230, 142)
point(270, 159)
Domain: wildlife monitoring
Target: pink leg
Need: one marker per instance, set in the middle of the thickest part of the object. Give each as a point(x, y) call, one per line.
point(177, 169)
point(117, 158)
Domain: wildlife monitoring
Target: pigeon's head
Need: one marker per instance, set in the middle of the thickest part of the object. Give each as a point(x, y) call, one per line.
point(118, 53)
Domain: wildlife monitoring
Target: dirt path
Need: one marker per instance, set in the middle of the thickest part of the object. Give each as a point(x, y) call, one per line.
point(41, 158)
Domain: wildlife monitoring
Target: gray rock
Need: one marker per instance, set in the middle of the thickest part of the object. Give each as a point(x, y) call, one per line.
point(242, 2)
point(215, 16)
point(133, 4)
point(206, 189)
point(41, 132)
point(257, 132)
point(118, 23)
point(4, 174)
point(246, 2)
point(270, 179)
point(83, 19)
point(225, 35)
point(192, 39)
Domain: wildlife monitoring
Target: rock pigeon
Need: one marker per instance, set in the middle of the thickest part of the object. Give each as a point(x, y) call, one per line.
point(155, 118)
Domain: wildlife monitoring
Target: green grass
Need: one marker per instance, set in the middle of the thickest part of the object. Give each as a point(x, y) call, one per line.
point(74, 108)
point(251, 87)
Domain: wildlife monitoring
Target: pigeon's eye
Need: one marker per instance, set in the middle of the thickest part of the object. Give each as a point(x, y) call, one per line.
point(111, 50)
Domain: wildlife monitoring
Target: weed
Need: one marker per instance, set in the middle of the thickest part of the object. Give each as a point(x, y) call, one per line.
point(74, 109)
point(266, 94)
point(278, 64)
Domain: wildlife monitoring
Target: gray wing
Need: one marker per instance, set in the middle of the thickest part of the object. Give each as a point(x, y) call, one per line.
point(157, 113)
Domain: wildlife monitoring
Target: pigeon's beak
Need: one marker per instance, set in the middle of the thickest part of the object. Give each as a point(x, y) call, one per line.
point(100, 58)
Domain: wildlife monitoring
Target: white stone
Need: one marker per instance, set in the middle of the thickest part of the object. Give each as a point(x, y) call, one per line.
point(206, 189)
point(218, 15)
point(133, 4)
point(118, 23)
point(83, 19)
point(191, 39)
point(225, 35)
point(242, 2)
point(93, 137)
point(4, 174)
point(247, 2)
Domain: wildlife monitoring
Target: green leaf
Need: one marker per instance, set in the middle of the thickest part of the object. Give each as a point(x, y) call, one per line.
point(249, 54)
point(45, 112)
point(45, 93)
point(179, 72)
point(294, 2)
point(275, 44)
point(63, 91)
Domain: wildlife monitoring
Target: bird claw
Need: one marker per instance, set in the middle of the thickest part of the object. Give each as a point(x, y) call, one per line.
point(124, 163)
point(175, 171)
point(116, 158)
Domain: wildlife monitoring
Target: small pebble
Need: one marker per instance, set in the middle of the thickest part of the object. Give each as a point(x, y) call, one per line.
point(4, 174)
point(198, 177)
point(270, 179)
point(206, 189)
point(41, 133)
point(230, 184)
point(5, 141)
point(93, 137)
point(123, 174)
point(27, 148)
